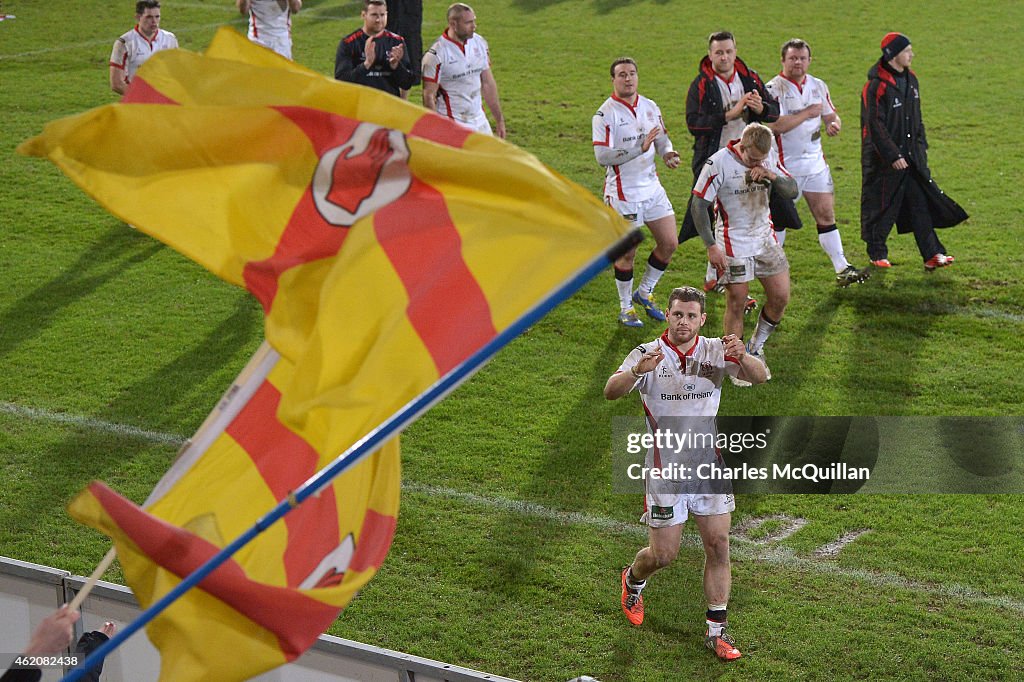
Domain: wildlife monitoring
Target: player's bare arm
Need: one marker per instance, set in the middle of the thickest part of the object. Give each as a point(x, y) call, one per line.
point(751, 369)
point(117, 81)
point(783, 185)
point(430, 94)
point(607, 156)
point(664, 147)
point(621, 383)
point(699, 210)
point(489, 89)
point(790, 121)
point(649, 138)
point(833, 124)
point(737, 110)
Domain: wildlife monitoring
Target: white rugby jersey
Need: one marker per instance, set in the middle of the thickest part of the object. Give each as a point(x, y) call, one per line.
point(732, 92)
point(619, 124)
point(268, 21)
point(456, 68)
point(133, 48)
point(683, 385)
point(800, 148)
point(744, 224)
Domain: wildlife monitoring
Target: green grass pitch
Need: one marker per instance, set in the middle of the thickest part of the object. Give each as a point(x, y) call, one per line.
point(510, 540)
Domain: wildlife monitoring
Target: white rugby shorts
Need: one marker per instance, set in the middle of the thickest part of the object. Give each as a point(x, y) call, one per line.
point(664, 510)
point(479, 124)
point(279, 44)
point(770, 261)
point(641, 212)
point(820, 183)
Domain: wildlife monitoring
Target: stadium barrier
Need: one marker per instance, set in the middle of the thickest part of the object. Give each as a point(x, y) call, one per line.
point(30, 592)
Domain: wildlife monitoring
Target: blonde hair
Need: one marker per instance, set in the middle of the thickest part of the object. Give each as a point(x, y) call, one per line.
point(456, 10)
point(757, 136)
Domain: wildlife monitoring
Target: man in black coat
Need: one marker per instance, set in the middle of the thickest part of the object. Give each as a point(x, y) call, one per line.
point(374, 56)
point(725, 96)
point(897, 186)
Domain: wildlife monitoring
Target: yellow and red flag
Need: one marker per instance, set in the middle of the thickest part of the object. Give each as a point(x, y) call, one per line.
point(270, 601)
point(386, 245)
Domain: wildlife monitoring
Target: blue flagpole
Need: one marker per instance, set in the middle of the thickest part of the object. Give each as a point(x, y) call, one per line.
point(367, 445)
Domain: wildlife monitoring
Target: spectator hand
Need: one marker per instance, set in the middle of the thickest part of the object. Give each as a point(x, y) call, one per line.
point(754, 101)
point(54, 633)
point(369, 53)
point(395, 55)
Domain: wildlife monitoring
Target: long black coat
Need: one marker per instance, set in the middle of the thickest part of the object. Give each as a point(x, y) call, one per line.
point(891, 127)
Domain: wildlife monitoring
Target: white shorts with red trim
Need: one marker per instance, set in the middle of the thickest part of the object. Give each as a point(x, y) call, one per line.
point(638, 213)
point(770, 261)
point(480, 124)
point(820, 183)
point(664, 510)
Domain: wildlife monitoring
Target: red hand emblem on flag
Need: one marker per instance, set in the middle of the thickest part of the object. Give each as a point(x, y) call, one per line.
point(360, 175)
point(356, 174)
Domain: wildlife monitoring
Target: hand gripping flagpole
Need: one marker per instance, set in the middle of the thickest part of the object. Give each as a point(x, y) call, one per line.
point(367, 444)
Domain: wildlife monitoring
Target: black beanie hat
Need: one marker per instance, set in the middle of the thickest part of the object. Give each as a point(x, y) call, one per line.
point(893, 44)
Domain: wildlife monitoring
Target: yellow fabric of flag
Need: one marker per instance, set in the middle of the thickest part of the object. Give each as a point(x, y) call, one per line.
point(268, 603)
point(386, 246)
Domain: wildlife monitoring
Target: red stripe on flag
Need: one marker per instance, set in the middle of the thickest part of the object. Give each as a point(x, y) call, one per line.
point(419, 237)
point(306, 238)
point(374, 541)
point(141, 92)
point(439, 129)
point(285, 461)
point(181, 553)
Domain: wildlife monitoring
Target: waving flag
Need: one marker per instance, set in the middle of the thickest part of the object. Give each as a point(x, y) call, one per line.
point(239, 466)
point(386, 245)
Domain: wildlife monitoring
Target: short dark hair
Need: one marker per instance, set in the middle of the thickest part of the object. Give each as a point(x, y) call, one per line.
point(687, 295)
point(795, 44)
point(623, 60)
point(367, 3)
point(721, 35)
point(142, 5)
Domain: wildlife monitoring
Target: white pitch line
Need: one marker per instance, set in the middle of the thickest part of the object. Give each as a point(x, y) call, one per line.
point(742, 548)
point(39, 414)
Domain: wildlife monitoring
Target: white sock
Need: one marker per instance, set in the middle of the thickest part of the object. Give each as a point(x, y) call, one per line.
point(631, 583)
point(715, 627)
point(832, 244)
point(762, 331)
point(650, 279)
point(625, 290)
point(781, 236)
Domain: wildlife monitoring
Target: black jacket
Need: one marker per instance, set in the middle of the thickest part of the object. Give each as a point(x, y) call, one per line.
point(705, 117)
point(349, 64)
point(705, 113)
point(891, 127)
